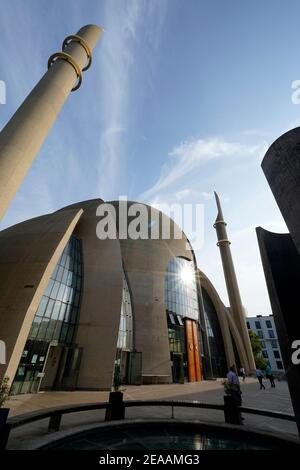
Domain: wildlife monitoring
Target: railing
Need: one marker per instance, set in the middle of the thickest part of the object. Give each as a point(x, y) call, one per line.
point(115, 409)
point(55, 415)
point(209, 406)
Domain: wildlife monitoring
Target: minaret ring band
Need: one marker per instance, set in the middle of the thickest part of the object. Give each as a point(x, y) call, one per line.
point(219, 222)
point(223, 241)
point(83, 43)
point(63, 56)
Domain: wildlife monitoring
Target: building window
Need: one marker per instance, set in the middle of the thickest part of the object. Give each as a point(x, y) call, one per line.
point(125, 338)
point(269, 324)
point(276, 354)
point(181, 289)
point(214, 358)
point(271, 334)
point(265, 354)
point(263, 344)
point(274, 344)
point(248, 325)
point(279, 365)
point(181, 301)
point(55, 318)
point(258, 325)
point(176, 339)
point(260, 334)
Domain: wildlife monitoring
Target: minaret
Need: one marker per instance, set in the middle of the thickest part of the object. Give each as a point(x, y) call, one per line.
point(235, 302)
point(23, 135)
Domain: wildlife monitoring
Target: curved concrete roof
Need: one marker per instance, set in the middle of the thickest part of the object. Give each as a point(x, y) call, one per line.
point(281, 166)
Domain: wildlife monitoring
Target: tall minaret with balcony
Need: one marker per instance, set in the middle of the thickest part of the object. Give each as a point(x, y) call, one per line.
point(24, 134)
point(236, 307)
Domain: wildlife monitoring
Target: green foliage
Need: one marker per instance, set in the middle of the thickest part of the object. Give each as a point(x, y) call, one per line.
point(260, 362)
point(257, 350)
point(4, 390)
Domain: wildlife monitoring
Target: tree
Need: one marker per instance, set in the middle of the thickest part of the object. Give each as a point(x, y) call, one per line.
point(257, 350)
point(4, 390)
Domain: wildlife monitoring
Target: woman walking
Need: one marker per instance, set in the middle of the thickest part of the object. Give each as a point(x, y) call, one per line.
point(269, 375)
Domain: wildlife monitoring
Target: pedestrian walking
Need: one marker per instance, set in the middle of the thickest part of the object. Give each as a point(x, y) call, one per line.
point(260, 377)
point(270, 376)
point(243, 373)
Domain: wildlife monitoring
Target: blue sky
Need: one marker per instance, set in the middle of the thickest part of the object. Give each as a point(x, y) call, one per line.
point(183, 98)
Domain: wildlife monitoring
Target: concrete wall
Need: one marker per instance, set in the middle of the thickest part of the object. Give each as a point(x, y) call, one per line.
point(281, 166)
point(29, 252)
point(146, 263)
point(28, 255)
point(227, 324)
point(101, 301)
point(222, 316)
point(281, 263)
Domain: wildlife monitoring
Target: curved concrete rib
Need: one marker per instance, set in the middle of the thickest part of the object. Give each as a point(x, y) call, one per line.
point(29, 252)
point(281, 166)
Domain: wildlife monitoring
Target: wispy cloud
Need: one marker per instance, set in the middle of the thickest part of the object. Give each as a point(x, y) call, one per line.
point(129, 29)
point(85, 155)
point(190, 154)
point(188, 194)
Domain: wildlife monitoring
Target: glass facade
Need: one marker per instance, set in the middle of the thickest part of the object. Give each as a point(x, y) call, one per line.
point(181, 299)
point(215, 339)
point(176, 339)
point(125, 337)
point(55, 319)
point(181, 296)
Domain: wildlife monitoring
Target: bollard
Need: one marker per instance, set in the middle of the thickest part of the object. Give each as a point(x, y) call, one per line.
point(54, 422)
point(232, 412)
point(116, 410)
point(4, 428)
point(4, 435)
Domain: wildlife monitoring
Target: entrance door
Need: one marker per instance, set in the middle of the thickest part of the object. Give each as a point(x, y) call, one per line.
point(128, 367)
point(51, 367)
point(134, 369)
point(192, 351)
point(178, 372)
point(68, 371)
point(124, 367)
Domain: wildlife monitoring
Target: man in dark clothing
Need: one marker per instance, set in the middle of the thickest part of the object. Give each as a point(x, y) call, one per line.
point(260, 377)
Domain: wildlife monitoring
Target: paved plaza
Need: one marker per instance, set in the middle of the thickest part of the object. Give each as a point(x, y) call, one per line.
point(277, 399)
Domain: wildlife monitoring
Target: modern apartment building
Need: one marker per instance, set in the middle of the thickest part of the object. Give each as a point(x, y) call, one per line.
point(265, 329)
